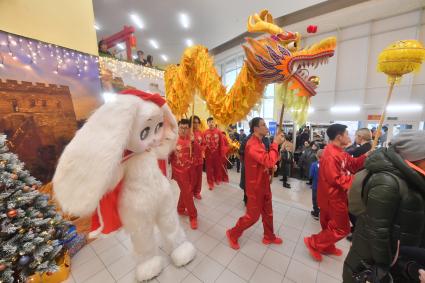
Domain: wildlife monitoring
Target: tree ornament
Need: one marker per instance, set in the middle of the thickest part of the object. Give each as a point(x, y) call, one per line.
point(24, 260)
point(12, 213)
point(13, 176)
point(2, 267)
point(34, 187)
point(40, 215)
point(26, 189)
point(21, 231)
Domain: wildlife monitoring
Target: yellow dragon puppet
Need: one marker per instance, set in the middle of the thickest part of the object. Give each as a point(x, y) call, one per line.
point(275, 58)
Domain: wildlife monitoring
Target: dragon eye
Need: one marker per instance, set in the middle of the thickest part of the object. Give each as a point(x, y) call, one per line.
point(158, 127)
point(145, 133)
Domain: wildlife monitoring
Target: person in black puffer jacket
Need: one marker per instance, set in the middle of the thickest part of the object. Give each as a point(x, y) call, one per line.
point(395, 210)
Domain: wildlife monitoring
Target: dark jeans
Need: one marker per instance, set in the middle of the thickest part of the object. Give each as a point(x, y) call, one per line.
point(410, 260)
point(316, 209)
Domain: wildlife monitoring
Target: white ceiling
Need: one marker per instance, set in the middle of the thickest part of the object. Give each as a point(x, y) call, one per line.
point(212, 22)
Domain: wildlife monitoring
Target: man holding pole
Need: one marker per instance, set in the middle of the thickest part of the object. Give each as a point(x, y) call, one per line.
point(258, 164)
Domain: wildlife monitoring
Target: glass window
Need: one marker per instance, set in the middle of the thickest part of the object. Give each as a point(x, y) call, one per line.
point(230, 78)
point(269, 92)
point(268, 108)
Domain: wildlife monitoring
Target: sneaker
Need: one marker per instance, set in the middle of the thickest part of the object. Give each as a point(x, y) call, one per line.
point(198, 196)
point(350, 238)
point(233, 244)
point(286, 185)
point(194, 223)
point(333, 251)
point(276, 241)
point(315, 215)
point(313, 252)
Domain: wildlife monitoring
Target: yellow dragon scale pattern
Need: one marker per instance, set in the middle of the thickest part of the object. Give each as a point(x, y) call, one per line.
point(197, 73)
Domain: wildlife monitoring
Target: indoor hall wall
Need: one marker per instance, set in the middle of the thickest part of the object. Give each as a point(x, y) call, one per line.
point(351, 78)
point(66, 23)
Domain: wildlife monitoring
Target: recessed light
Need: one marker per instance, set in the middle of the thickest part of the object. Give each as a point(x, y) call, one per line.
point(189, 42)
point(121, 46)
point(154, 43)
point(96, 27)
point(405, 108)
point(164, 57)
point(184, 20)
point(137, 21)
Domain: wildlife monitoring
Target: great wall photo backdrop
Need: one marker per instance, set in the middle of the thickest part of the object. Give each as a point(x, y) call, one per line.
point(46, 93)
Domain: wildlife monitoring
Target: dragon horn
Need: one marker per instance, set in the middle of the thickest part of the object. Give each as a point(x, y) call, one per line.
point(263, 23)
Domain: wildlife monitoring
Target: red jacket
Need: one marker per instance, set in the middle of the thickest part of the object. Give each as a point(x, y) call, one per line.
point(336, 174)
point(224, 146)
point(198, 149)
point(180, 158)
point(258, 163)
point(213, 141)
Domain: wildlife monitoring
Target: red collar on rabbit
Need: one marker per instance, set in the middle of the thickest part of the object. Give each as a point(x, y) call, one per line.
point(155, 98)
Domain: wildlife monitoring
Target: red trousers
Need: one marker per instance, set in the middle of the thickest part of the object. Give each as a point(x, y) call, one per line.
point(260, 204)
point(186, 194)
point(213, 162)
point(196, 175)
point(335, 225)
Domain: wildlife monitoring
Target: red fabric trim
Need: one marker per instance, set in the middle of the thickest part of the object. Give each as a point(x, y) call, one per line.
point(109, 211)
point(155, 98)
point(414, 167)
point(163, 166)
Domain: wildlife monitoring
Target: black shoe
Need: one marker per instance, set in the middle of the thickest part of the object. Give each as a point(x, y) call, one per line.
point(281, 179)
point(350, 238)
point(315, 215)
point(286, 185)
point(309, 183)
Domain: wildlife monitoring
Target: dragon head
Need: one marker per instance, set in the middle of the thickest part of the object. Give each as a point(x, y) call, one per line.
point(278, 57)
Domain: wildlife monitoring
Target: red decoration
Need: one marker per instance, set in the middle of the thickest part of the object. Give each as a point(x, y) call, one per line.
point(12, 213)
point(312, 29)
point(133, 41)
point(2, 267)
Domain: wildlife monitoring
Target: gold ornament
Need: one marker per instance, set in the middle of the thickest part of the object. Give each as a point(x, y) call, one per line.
point(400, 58)
point(61, 275)
point(21, 231)
point(14, 176)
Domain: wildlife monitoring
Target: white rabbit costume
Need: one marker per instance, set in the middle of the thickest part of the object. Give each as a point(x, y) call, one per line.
point(92, 167)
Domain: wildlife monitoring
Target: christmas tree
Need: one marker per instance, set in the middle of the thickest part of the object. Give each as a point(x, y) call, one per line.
point(32, 233)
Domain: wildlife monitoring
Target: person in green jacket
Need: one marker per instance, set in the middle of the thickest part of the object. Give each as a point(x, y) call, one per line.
point(395, 212)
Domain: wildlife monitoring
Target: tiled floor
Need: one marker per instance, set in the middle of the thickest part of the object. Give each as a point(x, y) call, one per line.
point(111, 260)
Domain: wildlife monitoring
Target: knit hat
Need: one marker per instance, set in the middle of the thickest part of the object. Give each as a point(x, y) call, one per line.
point(410, 145)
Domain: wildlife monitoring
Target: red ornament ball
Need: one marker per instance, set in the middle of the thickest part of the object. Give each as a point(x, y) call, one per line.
point(312, 29)
point(12, 213)
point(2, 266)
point(49, 273)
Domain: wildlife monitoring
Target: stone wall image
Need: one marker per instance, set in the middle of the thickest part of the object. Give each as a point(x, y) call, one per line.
point(39, 120)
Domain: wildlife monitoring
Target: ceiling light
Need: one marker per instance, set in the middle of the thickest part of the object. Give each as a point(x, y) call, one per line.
point(345, 109)
point(137, 21)
point(121, 46)
point(153, 43)
point(405, 108)
point(184, 20)
point(189, 42)
point(134, 56)
point(96, 27)
point(164, 57)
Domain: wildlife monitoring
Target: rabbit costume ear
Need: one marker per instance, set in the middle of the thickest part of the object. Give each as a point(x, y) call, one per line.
point(90, 164)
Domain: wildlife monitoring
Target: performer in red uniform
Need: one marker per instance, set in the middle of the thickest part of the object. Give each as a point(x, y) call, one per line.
point(213, 158)
point(223, 175)
point(181, 163)
point(258, 164)
point(198, 158)
point(337, 169)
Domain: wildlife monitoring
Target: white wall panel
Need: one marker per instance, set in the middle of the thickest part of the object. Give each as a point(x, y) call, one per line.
point(353, 61)
point(396, 22)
